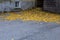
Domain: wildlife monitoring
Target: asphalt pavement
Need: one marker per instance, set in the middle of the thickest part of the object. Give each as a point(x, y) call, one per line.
point(29, 30)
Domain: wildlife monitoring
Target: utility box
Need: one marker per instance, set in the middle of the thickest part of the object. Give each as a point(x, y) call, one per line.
point(52, 5)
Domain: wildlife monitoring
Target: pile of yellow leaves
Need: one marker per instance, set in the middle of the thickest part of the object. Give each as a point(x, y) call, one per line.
point(34, 14)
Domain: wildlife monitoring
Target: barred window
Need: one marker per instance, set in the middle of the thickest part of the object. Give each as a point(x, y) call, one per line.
point(51, 3)
point(16, 3)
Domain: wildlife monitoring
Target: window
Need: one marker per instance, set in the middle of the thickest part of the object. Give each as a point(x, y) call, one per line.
point(17, 4)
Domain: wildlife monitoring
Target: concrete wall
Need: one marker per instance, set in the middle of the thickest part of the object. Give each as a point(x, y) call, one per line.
point(27, 4)
point(28, 0)
point(7, 6)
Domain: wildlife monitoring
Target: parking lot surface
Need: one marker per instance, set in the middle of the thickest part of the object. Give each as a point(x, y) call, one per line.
point(29, 30)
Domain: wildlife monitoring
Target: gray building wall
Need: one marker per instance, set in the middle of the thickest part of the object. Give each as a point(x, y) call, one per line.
point(8, 6)
point(52, 5)
point(5, 6)
point(27, 4)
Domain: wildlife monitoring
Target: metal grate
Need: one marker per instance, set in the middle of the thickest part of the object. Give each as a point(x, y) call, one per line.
point(51, 3)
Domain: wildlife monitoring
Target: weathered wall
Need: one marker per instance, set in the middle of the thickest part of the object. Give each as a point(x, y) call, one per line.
point(50, 5)
point(27, 4)
point(28, 0)
point(23, 4)
point(58, 5)
point(5, 6)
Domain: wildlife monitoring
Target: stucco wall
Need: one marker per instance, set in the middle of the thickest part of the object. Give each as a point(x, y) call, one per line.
point(22, 4)
point(27, 4)
point(4, 5)
point(28, 0)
